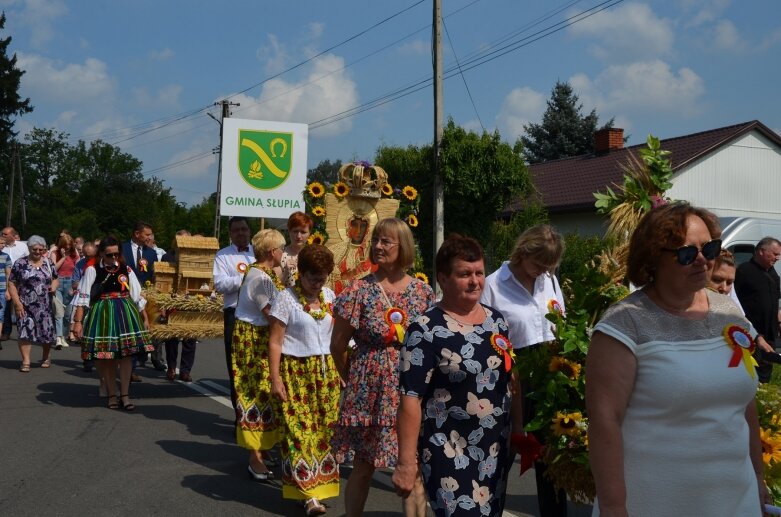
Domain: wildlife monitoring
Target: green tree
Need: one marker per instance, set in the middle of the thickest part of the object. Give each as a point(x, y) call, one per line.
point(325, 172)
point(564, 130)
point(481, 175)
point(11, 104)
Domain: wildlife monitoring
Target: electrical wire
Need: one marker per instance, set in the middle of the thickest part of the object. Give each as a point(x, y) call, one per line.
point(469, 93)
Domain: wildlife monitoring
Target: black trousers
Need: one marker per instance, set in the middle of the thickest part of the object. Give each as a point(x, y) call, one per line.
point(188, 354)
point(229, 321)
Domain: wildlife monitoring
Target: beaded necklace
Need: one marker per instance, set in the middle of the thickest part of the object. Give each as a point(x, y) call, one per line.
point(325, 308)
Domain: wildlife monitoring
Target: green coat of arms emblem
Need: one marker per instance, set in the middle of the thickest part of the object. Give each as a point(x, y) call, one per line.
point(265, 158)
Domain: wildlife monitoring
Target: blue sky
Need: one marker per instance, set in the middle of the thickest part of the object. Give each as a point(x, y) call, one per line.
point(142, 74)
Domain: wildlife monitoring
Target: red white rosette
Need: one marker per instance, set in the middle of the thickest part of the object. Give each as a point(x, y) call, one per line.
point(143, 262)
point(554, 306)
point(396, 320)
point(241, 267)
point(505, 349)
point(742, 345)
point(123, 281)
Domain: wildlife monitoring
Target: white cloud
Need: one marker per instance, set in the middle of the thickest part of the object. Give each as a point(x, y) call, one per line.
point(274, 55)
point(646, 86)
point(416, 47)
point(161, 55)
point(39, 15)
point(771, 39)
point(315, 29)
point(166, 97)
point(726, 36)
point(702, 12)
point(58, 82)
point(520, 107)
point(331, 91)
point(630, 32)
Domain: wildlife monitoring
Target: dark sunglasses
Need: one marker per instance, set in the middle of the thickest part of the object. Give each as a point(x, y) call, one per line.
point(688, 254)
point(112, 255)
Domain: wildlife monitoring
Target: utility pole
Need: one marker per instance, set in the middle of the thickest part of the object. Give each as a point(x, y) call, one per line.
point(225, 113)
point(16, 170)
point(11, 189)
point(439, 201)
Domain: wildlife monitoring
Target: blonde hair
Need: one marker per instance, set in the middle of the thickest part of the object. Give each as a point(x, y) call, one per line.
point(265, 241)
point(393, 226)
point(541, 243)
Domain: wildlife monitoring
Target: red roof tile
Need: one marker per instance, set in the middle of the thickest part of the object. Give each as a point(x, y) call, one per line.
point(568, 185)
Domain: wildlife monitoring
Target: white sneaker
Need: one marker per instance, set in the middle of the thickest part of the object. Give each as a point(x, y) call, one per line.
point(61, 343)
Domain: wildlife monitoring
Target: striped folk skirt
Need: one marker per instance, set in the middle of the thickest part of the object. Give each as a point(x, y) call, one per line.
point(113, 329)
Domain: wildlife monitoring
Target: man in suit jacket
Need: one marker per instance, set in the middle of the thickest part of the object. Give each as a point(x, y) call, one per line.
point(141, 257)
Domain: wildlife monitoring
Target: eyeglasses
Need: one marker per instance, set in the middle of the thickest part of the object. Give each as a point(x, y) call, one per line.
point(685, 255)
point(37, 250)
point(111, 255)
point(384, 243)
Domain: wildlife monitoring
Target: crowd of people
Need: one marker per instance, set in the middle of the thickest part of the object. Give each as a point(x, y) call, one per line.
point(385, 375)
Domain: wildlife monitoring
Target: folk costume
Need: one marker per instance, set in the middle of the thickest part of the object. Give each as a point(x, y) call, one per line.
point(257, 411)
point(113, 326)
point(307, 370)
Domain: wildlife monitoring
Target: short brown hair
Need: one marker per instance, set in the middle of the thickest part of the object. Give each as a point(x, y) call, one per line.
point(457, 247)
point(393, 226)
point(299, 219)
point(662, 227)
point(541, 243)
point(315, 259)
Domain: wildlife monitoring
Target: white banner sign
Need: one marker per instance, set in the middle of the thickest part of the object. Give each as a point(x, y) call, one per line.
point(263, 168)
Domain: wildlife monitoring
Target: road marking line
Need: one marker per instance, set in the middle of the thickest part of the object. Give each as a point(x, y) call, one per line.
point(203, 391)
point(217, 387)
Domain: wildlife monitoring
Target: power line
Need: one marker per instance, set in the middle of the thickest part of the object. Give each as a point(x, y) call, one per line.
point(469, 93)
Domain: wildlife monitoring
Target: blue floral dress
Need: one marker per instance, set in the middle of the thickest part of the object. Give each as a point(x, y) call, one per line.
point(33, 283)
point(465, 392)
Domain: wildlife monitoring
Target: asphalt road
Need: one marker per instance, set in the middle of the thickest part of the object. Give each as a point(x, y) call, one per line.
point(64, 453)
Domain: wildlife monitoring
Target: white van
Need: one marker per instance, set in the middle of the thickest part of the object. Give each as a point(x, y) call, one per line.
point(741, 234)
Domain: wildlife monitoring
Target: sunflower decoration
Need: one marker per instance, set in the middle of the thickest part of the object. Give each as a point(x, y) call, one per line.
point(318, 211)
point(316, 189)
point(569, 368)
point(341, 189)
point(410, 193)
point(387, 189)
point(771, 446)
point(316, 238)
point(570, 424)
point(412, 221)
point(421, 276)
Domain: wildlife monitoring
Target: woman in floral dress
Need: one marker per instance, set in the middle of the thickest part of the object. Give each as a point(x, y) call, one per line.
point(455, 383)
point(304, 378)
point(31, 285)
point(367, 418)
point(257, 412)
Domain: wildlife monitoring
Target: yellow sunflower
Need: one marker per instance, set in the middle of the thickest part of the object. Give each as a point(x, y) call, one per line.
point(567, 423)
point(410, 193)
point(412, 220)
point(341, 189)
point(387, 189)
point(318, 211)
point(771, 446)
point(421, 276)
point(316, 189)
point(316, 238)
point(569, 368)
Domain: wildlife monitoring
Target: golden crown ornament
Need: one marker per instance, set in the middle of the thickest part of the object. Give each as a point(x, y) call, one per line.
point(364, 179)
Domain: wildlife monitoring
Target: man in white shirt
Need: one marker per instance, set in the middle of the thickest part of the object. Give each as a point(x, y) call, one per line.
point(230, 264)
point(15, 249)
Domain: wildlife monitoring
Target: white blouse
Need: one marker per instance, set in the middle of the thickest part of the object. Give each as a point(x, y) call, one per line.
point(257, 291)
point(304, 335)
point(524, 311)
point(85, 284)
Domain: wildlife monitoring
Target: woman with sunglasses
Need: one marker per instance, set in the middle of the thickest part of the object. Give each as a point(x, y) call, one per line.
point(32, 284)
point(111, 321)
point(670, 382)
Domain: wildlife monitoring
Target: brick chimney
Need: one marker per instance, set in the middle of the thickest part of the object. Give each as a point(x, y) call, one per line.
point(606, 140)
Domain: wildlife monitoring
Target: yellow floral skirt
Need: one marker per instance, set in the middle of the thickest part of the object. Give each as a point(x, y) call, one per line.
point(257, 411)
point(309, 468)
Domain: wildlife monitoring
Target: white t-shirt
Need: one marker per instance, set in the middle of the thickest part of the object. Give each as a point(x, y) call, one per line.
point(257, 292)
point(17, 251)
point(525, 312)
point(304, 336)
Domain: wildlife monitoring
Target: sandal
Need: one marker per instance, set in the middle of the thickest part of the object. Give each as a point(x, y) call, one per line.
point(115, 404)
point(129, 406)
point(46, 363)
point(314, 507)
point(25, 368)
